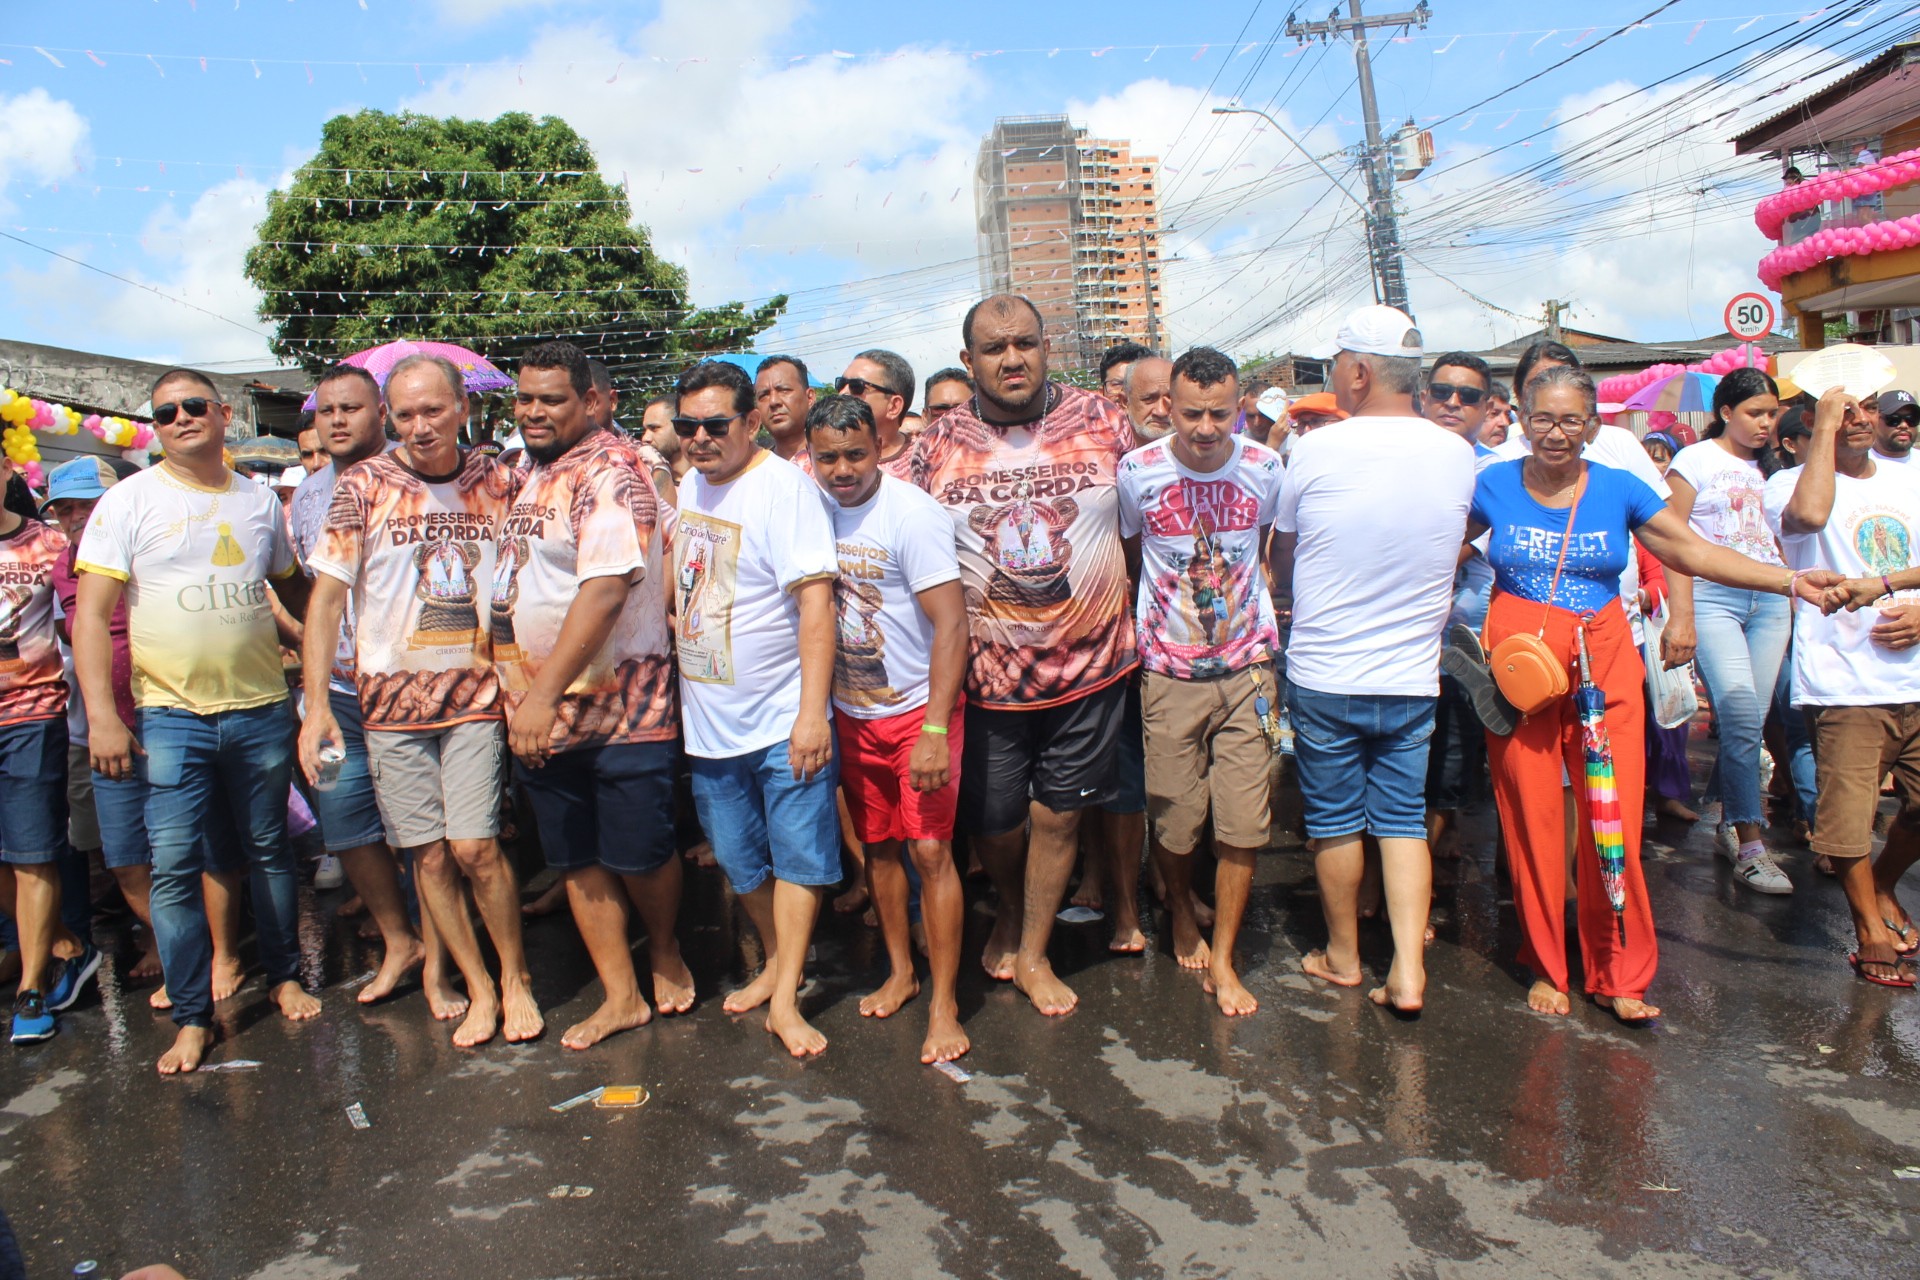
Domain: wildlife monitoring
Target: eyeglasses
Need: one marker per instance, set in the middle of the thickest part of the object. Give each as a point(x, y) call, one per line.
point(716, 428)
point(1441, 392)
point(192, 406)
point(1544, 425)
point(860, 387)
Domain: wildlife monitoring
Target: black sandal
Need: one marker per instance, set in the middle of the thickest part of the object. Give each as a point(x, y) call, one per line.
point(1466, 661)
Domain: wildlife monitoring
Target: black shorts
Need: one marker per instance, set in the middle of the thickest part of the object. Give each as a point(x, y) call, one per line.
point(1066, 757)
point(610, 805)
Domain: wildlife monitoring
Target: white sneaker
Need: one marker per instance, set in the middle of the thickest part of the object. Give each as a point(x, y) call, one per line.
point(1726, 842)
point(1761, 874)
point(328, 874)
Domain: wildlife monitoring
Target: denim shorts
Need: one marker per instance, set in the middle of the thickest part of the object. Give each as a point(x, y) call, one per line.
point(33, 792)
point(763, 821)
point(610, 805)
point(1362, 762)
point(349, 815)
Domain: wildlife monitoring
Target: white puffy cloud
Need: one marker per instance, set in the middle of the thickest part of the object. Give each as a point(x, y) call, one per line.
point(42, 138)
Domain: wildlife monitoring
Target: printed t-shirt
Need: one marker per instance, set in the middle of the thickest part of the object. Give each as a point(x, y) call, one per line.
point(590, 513)
point(196, 563)
point(66, 585)
point(416, 552)
point(1036, 512)
point(33, 682)
point(1524, 537)
point(1204, 607)
point(740, 550)
point(1611, 446)
point(1380, 507)
point(1869, 534)
point(306, 516)
point(1728, 508)
point(893, 546)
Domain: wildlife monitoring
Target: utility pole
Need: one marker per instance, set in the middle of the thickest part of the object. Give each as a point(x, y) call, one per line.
point(1383, 226)
point(1556, 309)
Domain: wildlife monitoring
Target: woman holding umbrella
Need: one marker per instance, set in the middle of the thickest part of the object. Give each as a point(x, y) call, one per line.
point(1742, 635)
point(1561, 529)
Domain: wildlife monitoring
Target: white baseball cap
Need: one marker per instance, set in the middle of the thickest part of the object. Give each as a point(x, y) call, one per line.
point(1272, 404)
point(1373, 331)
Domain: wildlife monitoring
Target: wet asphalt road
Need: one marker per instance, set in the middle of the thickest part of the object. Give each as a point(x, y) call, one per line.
point(1755, 1131)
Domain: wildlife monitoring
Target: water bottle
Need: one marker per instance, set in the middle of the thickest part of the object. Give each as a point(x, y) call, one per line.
point(332, 756)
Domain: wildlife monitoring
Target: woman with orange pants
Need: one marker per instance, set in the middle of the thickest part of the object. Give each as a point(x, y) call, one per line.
point(1561, 530)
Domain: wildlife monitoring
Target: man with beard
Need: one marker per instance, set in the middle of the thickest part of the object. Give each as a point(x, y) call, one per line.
point(783, 394)
point(1028, 473)
point(1149, 402)
point(656, 432)
point(1894, 420)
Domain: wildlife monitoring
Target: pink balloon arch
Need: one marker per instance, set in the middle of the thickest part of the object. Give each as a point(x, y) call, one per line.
point(1616, 389)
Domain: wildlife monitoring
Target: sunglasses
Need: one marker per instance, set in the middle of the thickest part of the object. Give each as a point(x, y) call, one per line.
point(716, 428)
point(1441, 392)
point(860, 387)
point(192, 406)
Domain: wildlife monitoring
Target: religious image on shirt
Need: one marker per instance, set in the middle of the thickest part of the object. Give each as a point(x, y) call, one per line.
point(1207, 600)
point(509, 558)
point(1743, 525)
point(1028, 548)
point(707, 554)
point(1884, 543)
point(448, 615)
point(860, 660)
point(13, 607)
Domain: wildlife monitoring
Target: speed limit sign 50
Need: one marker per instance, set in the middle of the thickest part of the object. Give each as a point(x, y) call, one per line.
point(1750, 317)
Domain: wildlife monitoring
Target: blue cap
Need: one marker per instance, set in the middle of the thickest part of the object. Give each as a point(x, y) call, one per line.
point(80, 478)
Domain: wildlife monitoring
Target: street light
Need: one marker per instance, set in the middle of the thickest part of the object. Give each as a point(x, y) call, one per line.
point(1238, 110)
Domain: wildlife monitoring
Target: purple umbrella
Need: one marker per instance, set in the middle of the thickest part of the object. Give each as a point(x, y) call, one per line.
point(478, 372)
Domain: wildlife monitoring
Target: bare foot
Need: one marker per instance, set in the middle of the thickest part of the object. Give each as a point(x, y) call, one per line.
point(1202, 913)
point(147, 966)
point(160, 999)
point(350, 908)
point(945, 1038)
point(610, 1019)
point(1224, 985)
point(796, 1033)
point(547, 903)
point(294, 1002)
point(852, 902)
point(672, 983)
point(396, 965)
point(701, 855)
point(1677, 810)
point(228, 977)
point(1400, 994)
point(444, 1000)
point(1317, 965)
point(524, 1022)
point(481, 1024)
point(1128, 940)
point(1628, 1010)
point(1544, 997)
point(188, 1051)
point(751, 996)
point(894, 992)
point(1190, 948)
point(1089, 894)
point(1049, 995)
point(1002, 945)
point(369, 930)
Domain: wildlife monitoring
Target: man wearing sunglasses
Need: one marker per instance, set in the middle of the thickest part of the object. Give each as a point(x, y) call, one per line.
point(1894, 427)
point(192, 546)
point(754, 564)
point(784, 393)
point(885, 381)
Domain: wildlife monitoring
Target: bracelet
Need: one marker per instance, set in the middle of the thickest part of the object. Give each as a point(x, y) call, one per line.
point(1886, 583)
point(934, 728)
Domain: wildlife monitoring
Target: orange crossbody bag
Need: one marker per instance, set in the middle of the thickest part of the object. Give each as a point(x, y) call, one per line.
point(1530, 675)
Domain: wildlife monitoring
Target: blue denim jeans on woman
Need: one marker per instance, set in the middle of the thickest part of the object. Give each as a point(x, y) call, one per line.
point(192, 762)
point(1742, 641)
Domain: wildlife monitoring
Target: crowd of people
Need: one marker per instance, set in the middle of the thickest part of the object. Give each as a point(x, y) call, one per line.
point(1069, 626)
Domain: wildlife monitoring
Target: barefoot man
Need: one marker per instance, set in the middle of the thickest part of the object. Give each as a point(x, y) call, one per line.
point(896, 686)
point(580, 621)
point(1027, 471)
point(1201, 501)
point(191, 546)
point(350, 416)
point(410, 536)
point(754, 567)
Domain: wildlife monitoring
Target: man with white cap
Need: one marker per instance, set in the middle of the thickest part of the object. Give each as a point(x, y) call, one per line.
point(1369, 597)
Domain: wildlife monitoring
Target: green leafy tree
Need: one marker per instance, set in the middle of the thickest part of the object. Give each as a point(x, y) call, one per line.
point(492, 234)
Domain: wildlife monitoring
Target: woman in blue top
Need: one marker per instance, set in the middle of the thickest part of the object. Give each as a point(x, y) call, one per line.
point(1524, 506)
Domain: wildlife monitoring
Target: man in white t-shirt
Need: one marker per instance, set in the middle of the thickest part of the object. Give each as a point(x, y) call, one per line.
point(1200, 502)
point(1895, 422)
point(897, 696)
point(191, 546)
point(754, 566)
point(1370, 525)
point(1857, 674)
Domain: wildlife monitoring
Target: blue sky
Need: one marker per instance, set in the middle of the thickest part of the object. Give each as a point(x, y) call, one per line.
point(834, 176)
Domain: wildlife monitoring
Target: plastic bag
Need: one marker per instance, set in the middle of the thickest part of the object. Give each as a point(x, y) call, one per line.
point(1670, 692)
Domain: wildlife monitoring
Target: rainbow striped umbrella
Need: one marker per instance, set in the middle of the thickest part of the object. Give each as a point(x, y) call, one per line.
point(1603, 793)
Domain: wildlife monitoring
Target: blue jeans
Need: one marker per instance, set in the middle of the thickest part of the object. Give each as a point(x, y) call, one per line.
point(1743, 638)
point(763, 822)
point(1799, 740)
point(1362, 761)
point(192, 761)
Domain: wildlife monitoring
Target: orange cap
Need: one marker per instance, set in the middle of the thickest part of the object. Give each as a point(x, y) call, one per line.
point(1321, 403)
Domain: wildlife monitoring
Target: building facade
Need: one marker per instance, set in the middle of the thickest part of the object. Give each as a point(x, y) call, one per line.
point(1073, 223)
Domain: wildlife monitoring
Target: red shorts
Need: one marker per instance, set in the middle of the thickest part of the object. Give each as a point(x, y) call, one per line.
point(877, 782)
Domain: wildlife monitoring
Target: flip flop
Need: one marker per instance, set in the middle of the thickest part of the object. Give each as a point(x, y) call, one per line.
point(1861, 967)
point(1465, 660)
point(1908, 943)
